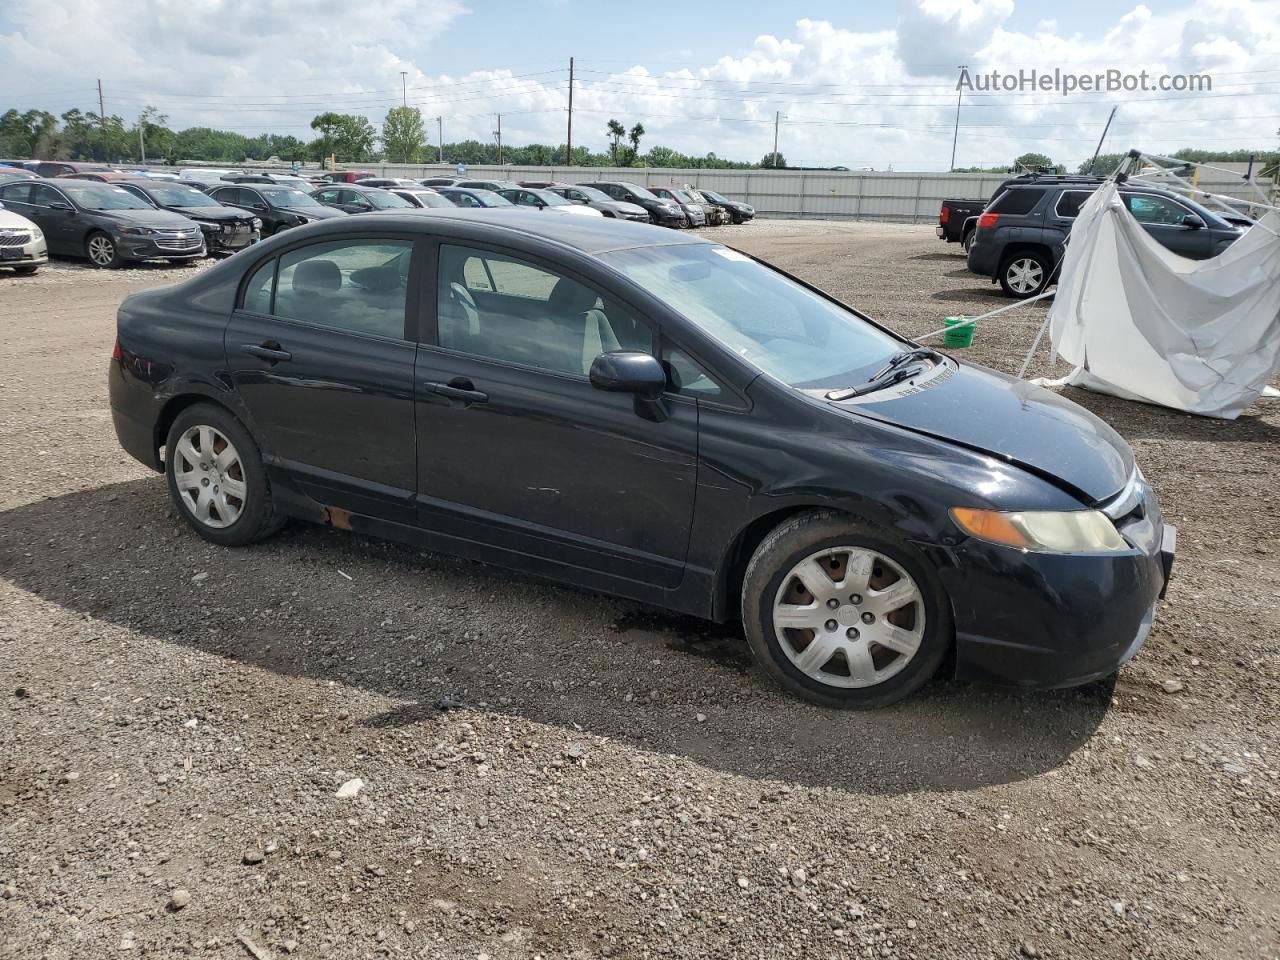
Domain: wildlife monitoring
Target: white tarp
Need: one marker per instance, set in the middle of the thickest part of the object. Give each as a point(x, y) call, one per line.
point(1140, 322)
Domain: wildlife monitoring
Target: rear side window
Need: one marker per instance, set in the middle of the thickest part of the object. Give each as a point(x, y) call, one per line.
point(17, 193)
point(259, 289)
point(1017, 201)
point(1070, 202)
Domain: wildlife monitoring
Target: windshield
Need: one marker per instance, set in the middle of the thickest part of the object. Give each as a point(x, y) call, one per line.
point(432, 200)
point(103, 197)
point(711, 195)
point(491, 199)
point(384, 200)
point(176, 196)
point(682, 196)
point(552, 199)
point(639, 191)
point(296, 182)
point(591, 193)
point(786, 331)
point(287, 197)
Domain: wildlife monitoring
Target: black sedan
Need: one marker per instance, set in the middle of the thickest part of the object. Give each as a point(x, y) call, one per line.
point(226, 229)
point(738, 211)
point(665, 419)
point(666, 213)
point(102, 222)
point(357, 198)
point(279, 208)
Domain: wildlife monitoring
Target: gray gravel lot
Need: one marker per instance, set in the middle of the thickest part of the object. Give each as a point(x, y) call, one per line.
point(551, 773)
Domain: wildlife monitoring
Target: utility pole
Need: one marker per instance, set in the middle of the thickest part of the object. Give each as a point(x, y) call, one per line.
point(777, 115)
point(440, 124)
point(142, 147)
point(404, 88)
point(498, 133)
point(102, 121)
point(956, 136)
point(568, 139)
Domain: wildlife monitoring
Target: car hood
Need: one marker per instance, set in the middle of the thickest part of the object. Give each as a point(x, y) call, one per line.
point(12, 221)
point(621, 206)
point(316, 213)
point(218, 214)
point(162, 219)
point(1013, 421)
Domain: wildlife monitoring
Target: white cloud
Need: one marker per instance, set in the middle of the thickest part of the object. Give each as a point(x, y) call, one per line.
point(849, 96)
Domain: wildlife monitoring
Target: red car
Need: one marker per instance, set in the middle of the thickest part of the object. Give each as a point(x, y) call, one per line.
point(347, 176)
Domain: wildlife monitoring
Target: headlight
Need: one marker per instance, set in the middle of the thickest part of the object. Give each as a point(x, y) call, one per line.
point(36, 234)
point(137, 231)
point(1043, 531)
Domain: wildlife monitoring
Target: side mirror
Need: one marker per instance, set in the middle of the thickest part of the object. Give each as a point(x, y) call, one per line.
point(1192, 221)
point(60, 205)
point(629, 371)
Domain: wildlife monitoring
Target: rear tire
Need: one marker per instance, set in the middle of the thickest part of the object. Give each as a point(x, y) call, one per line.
point(892, 619)
point(1024, 274)
point(217, 479)
point(966, 244)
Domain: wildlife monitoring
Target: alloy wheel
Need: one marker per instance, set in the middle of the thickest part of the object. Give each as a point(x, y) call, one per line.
point(1025, 275)
point(849, 617)
point(210, 476)
point(101, 250)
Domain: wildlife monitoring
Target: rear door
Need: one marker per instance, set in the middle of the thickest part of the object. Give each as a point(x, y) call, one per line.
point(519, 452)
point(320, 350)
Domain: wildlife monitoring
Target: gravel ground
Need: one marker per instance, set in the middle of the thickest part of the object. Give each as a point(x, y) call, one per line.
point(551, 773)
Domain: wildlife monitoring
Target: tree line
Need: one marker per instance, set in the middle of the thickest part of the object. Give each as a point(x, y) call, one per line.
point(351, 138)
point(1266, 163)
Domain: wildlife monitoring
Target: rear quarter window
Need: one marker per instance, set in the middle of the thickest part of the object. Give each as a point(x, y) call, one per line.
point(1017, 201)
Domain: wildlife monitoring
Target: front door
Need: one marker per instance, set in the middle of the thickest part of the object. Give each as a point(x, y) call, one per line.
point(1163, 219)
point(318, 352)
point(518, 451)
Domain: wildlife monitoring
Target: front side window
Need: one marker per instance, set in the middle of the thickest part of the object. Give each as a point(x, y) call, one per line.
point(780, 327)
point(1148, 209)
point(495, 306)
point(17, 192)
point(359, 286)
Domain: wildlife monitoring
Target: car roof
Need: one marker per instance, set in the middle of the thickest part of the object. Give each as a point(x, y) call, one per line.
point(589, 235)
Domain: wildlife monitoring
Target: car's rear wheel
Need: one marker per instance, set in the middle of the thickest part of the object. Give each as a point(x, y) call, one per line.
point(1024, 274)
point(843, 614)
point(102, 250)
point(967, 243)
point(217, 479)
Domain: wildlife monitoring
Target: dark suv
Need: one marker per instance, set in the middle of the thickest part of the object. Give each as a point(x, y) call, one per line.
point(1021, 235)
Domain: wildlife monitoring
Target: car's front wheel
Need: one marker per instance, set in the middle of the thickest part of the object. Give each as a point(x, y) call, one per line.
point(102, 250)
point(843, 614)
point(1025, 274)
point(217, 479)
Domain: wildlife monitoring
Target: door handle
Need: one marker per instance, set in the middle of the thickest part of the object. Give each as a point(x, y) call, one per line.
point(269, 351)
point(458, 391)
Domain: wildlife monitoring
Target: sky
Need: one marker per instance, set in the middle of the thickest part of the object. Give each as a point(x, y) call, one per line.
point(858, 85)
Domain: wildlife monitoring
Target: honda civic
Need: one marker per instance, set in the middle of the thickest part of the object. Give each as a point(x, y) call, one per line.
point(657, 417)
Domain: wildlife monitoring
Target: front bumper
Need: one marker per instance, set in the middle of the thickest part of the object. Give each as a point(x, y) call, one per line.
point(219, 240)
point(665, 218)
point(1040, 621)
point(30, 254)
point(161, 248)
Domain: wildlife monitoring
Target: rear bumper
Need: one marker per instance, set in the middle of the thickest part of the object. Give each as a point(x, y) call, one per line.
point(134, 410)
point(983, 257)
point(1040, 621)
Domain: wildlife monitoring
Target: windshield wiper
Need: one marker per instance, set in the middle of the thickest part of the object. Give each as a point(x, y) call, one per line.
point(891, 373)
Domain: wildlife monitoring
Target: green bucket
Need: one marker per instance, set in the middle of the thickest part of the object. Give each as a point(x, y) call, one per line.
point(961, 337)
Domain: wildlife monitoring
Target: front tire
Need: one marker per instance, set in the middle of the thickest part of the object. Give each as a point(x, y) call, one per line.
point(1024, 274)
point(216, 478)
point(102, 251)
point(843, 614)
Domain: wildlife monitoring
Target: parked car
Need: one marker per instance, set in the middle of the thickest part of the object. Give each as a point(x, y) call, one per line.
point(717, 216)
point(440, 181)
point(1020, 238)
point(60, 168)
point(423, 197)
point(494, 185)
point(695, 216)
point(546, 200)
point(98, 176)
point(664, 419)
point(279, 208)
point(102, 221)
point(599, 200)
point(389, 182)
point(298, 183)
point(958, 218)
point(240, 177)
point(15, 173)
point(475, 198)
point(666, 213)
point(739, 211)
point(357, 198)
point(346, 176)
point(22, 244)
point(226, 229)
point(205, 174)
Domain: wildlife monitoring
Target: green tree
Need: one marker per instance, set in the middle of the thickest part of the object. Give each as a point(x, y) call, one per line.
point(772, 159)
point(616, 132)
point(1034, 161)
point(403, 135)
point(634, 137)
